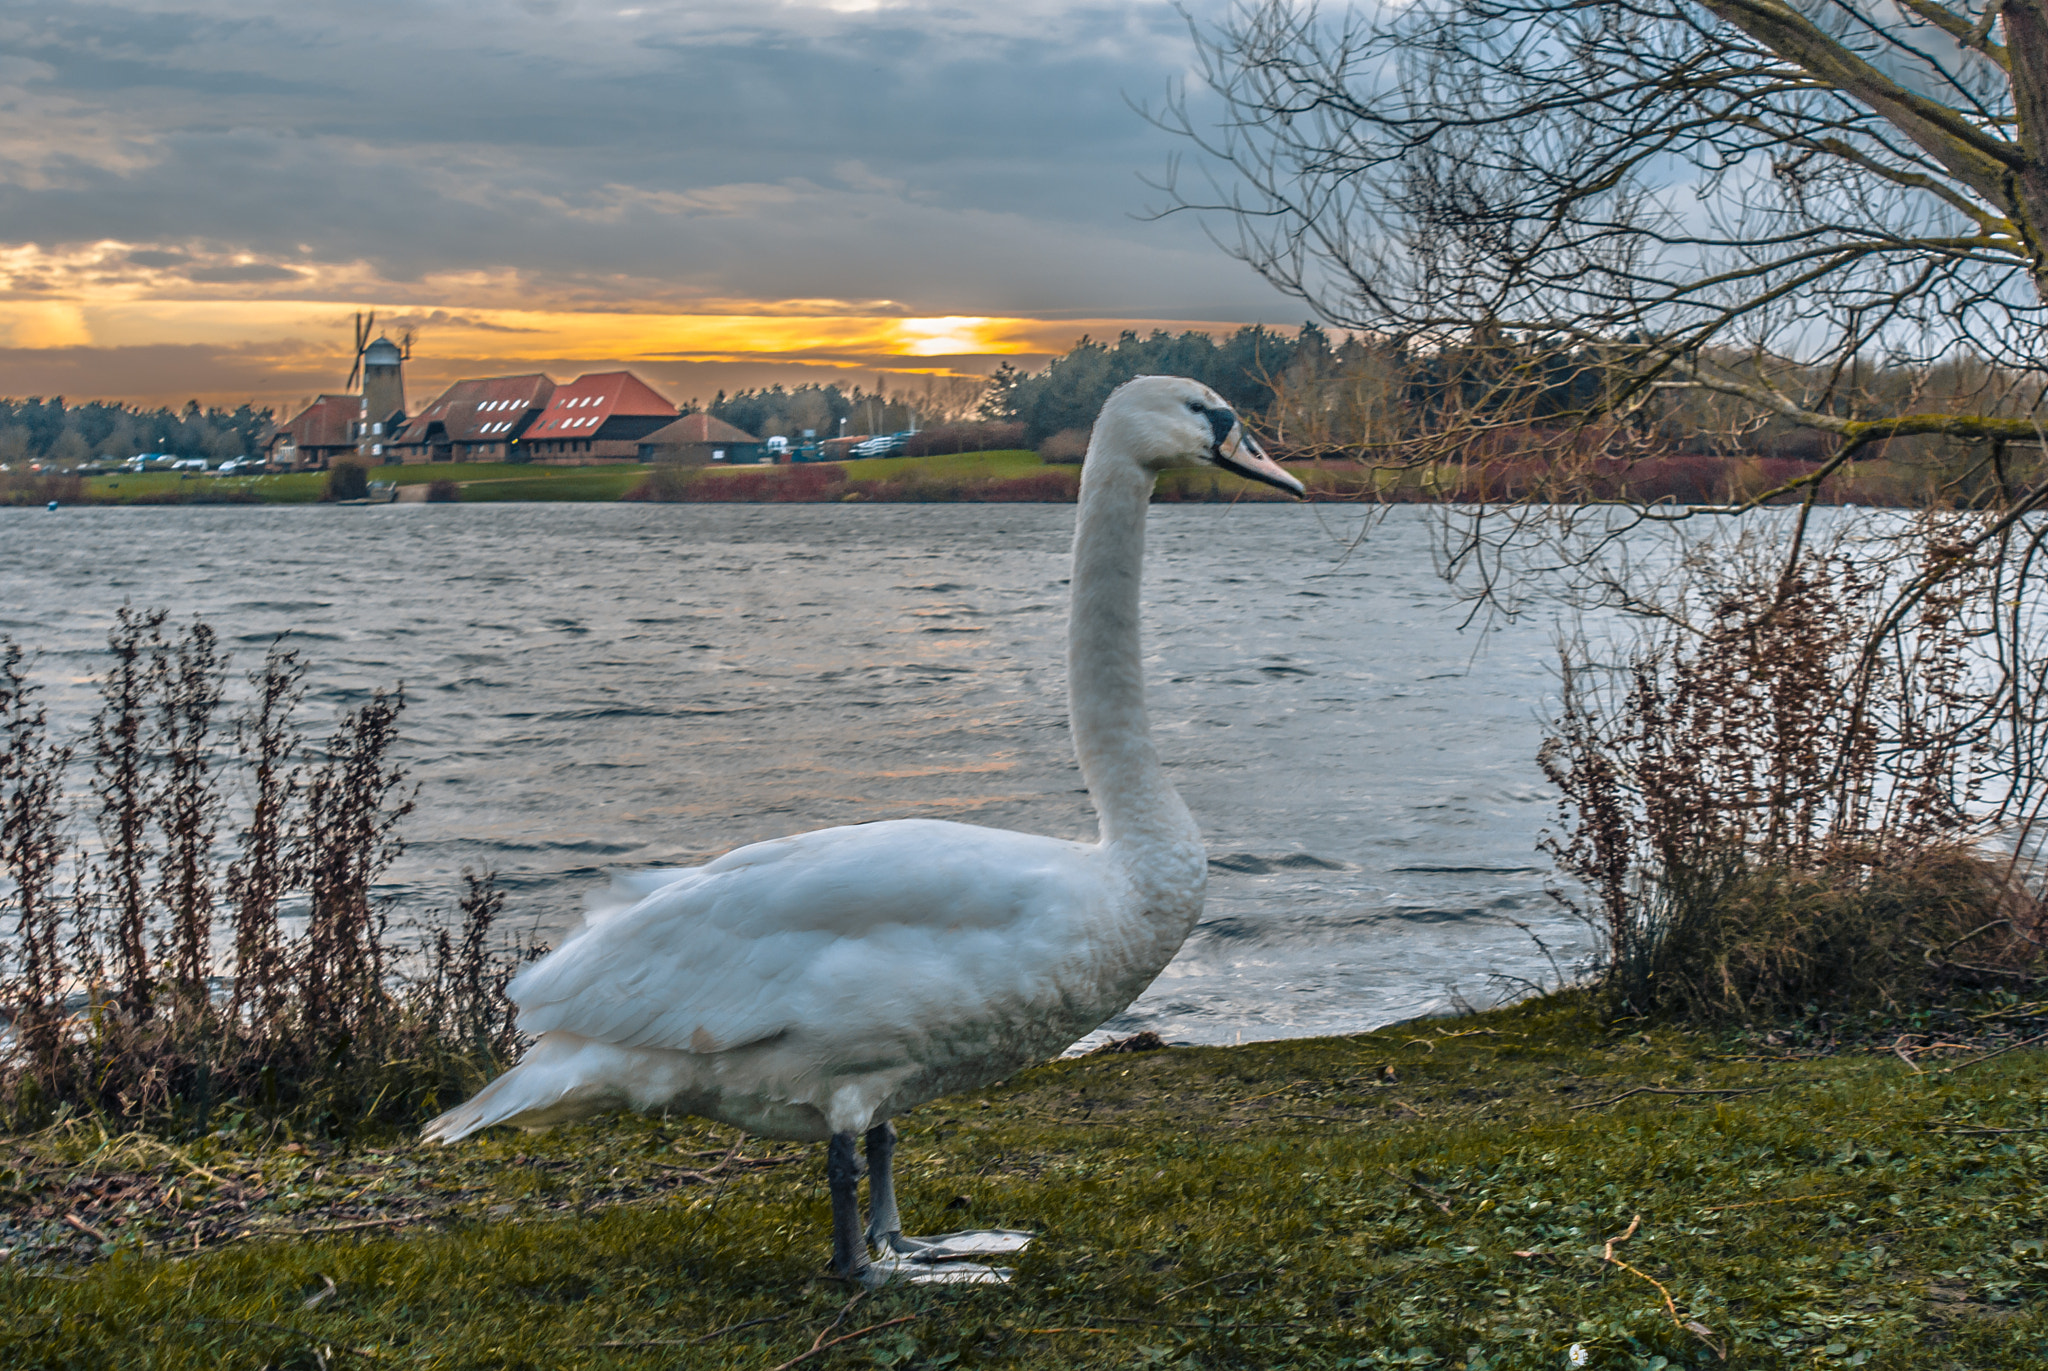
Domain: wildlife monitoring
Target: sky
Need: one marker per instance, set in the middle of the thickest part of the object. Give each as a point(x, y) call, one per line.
point(196, 197)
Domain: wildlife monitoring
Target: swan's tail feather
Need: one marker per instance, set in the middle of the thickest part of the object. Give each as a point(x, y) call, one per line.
point(545, 1088)
point(495, 1103)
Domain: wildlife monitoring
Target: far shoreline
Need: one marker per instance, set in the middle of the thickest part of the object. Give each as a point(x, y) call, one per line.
point(997, 477)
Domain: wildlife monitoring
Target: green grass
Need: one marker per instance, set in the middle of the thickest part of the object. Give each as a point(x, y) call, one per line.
point(482, 481)
point(556, 483)
point(1434, 1195)
point(959, 466)
point(290, 488)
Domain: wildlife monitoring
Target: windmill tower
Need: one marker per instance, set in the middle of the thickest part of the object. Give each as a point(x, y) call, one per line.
point(381, 367)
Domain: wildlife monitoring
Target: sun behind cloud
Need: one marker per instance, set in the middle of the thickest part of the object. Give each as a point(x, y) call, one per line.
point(158, 323)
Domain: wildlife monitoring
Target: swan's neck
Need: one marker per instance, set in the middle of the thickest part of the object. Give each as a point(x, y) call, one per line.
point(1143, 820)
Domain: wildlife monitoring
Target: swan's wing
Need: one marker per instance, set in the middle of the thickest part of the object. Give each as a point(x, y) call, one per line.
point(842, 932)
point(629, 888)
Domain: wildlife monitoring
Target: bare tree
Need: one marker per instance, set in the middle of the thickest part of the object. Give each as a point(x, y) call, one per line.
point(1579, 227)
point(1774, 202)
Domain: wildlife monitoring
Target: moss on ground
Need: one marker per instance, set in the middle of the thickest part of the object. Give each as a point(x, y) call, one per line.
point(1434, 1195)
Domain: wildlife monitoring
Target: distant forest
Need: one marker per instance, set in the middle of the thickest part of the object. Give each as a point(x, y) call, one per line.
point(775, 412)
point(39, 430)
point(1063, 396)
point(1066, 395)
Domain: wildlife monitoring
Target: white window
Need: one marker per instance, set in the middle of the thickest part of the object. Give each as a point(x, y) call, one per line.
point(376, 428)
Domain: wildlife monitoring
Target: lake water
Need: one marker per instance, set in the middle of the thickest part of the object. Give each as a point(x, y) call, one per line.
point(600, 686)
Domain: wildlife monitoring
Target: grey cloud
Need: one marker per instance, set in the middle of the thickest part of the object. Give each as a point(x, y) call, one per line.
point(997, 167)
point(252, 273)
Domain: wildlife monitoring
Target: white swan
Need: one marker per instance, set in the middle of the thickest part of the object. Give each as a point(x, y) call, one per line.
point(811, 988)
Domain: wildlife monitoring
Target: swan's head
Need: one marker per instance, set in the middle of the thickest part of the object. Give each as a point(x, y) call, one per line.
point(1163, 422)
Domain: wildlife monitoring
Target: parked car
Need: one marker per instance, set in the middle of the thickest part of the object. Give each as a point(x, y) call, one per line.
point(881, 445)
point(237, 466)
point(189, 464)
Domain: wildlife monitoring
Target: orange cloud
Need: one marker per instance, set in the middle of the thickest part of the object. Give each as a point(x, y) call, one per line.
point(282, 333)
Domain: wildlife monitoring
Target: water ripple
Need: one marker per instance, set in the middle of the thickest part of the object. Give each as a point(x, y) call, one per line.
point(613, 685)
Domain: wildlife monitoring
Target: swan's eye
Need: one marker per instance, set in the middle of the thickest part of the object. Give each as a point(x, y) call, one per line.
point(1195, 407)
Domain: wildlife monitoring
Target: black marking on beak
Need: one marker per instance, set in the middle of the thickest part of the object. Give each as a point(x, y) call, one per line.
point(1236, 468)
point(1221, 421)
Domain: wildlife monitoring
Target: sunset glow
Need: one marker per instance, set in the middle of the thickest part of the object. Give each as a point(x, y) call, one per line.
point(714, 195)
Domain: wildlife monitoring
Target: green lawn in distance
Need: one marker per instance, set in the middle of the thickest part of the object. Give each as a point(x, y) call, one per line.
point(557, 483)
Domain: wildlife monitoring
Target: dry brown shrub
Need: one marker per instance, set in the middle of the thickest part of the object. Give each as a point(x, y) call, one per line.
point(1810, 792)
point(119, 1006)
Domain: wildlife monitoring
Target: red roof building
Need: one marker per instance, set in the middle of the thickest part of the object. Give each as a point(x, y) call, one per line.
point(322, 432)
point(475, 421)
point(597, 418)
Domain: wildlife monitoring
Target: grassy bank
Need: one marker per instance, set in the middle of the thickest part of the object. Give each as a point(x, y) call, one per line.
point(1024, 476)
point(480, 481)
point(1436, 1195)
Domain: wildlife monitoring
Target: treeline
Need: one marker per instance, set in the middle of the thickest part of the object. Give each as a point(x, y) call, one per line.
point(1063, 398)
point(774, 412)
point(40, 430)
point(1508, 397)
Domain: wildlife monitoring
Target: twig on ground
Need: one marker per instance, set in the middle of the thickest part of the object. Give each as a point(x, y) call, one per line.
point(691, 1342)
point(1788, 1199)
point(1434, 1197)
point(1694, 1327)
point(1670, 1090)
point(1199, 1284)
point(181, 1159)
point(1205, 1327)
point(311, 1338)
point(82, 1226)
point(726, 1160)
point(723, 1176)
point(822, 1346)
point(1899, 1051)
point(2009, 1047)
point(317, 1300)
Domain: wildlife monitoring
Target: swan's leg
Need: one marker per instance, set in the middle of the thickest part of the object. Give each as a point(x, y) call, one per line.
point(944, 1257)
point(842, 1173)
point(885, 1225)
